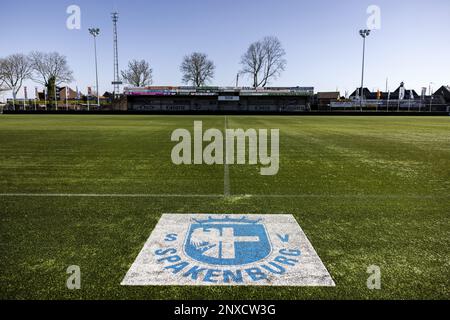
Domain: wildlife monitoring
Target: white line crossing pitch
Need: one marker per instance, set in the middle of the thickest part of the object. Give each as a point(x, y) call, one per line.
point(226, 169)
point(154, 195)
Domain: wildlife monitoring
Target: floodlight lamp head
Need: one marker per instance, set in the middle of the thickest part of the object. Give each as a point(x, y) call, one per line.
point(364, 33)
point(94, 31)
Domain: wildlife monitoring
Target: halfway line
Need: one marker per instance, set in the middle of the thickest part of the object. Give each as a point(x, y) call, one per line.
point(143, 195)
point(226, 169)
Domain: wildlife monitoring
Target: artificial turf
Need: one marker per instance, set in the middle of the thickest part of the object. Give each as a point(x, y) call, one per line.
point(366, 191)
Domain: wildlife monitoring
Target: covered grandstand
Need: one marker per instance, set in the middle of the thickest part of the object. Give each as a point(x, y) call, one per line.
point(219, 99)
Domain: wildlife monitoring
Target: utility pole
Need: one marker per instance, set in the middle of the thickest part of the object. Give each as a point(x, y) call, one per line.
point(95, 32)
point(364, 34)
point(237, 80)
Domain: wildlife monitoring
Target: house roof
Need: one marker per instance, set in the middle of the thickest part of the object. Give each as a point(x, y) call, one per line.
point(407, 91)
point(384, 95)
point(365, 91)
point(444, 88)
point(443, 92)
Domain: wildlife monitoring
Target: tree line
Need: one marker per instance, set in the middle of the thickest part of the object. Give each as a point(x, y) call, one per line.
point(263, 62)
point(48, 69)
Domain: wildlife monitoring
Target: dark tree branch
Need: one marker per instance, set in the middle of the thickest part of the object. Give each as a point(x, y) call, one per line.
point(264, 61)
point(48, 65)
point(138, 74)
point(14, 69)
point(197, 69)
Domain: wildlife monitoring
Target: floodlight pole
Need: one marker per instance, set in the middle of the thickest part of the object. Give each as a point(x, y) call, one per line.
point(364, 34)
point(95, 32)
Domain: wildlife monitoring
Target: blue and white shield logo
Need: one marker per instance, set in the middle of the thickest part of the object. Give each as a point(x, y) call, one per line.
point(227, 241)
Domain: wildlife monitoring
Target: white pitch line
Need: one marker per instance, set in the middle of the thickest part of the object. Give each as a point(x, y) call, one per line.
point(110, 195)
point(125, 195)
point(226, 169)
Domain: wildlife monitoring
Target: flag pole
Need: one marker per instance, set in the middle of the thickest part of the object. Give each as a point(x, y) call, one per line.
point(387, 104)
point(87, 98)
point(56, 101)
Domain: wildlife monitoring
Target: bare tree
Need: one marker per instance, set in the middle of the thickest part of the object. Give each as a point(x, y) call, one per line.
point(14, 70)
point(264, 61)
point(2, 84)
point(253, 62)
point(197, 69)
point(138, 74)
point(48, 65)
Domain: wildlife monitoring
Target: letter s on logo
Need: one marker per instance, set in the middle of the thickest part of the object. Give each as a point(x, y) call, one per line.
point(171, 237)
point(161, 252)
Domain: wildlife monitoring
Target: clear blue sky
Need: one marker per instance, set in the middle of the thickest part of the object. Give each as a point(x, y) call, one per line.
point(320, 38)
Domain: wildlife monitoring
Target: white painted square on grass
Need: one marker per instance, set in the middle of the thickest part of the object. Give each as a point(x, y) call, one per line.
point(217, 249)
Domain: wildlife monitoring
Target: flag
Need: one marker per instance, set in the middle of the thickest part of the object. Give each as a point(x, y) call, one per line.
point(411, 95)
point(78, 94)
point(424, 92)
point(25, 93)
point(67, 93)
point(36, 93)
point(401, 95)
point(89, 91)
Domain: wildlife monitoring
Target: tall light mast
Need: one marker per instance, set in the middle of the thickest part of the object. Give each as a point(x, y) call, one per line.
point(363, 33)
point(116, 83)
point(95, 32)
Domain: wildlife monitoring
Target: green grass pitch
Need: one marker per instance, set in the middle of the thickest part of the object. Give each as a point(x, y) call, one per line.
point(366, 191)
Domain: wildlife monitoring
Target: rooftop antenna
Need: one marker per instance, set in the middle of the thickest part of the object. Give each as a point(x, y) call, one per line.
point(116, 83)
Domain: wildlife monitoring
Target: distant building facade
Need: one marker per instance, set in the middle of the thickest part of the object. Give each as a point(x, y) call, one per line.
point(402, 99)
point(324, 99)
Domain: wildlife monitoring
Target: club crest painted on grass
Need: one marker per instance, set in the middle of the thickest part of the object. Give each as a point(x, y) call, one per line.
point(211, 249)
point(227, 241)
